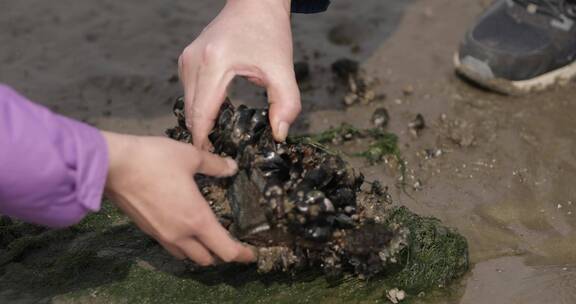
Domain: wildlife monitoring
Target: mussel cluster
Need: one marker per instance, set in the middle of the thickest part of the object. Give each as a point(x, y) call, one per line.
point(295, 201)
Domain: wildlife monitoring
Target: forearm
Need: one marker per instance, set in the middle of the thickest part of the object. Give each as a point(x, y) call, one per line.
point(52, 169)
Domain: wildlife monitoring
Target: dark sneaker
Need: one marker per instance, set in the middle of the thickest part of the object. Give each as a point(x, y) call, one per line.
point(521, 46)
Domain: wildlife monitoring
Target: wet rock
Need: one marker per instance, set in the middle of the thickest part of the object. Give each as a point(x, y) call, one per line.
point(303, 206)
point(301, 196)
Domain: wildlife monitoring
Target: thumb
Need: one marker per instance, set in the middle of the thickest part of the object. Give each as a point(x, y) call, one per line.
point(214, 165)
point(284, 99)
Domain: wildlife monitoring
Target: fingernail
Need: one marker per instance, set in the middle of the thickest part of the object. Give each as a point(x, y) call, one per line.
point(248, 254)
point(232, 165)
point(283, 128)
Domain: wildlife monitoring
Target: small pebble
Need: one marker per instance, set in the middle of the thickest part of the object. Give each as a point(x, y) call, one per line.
point(369, 95)
point(433, 153)
point(380, 118)
point(417, 185)
point(408, 90)
point(350, 99)
point(418, 123)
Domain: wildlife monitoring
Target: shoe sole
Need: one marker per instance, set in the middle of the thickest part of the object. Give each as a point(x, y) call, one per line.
point(557, 77)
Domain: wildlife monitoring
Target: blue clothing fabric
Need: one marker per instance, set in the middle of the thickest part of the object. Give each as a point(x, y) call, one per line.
point(309, 6)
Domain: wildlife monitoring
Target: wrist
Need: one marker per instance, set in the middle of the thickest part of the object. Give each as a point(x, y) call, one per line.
point(284, 4)
point(117, 150)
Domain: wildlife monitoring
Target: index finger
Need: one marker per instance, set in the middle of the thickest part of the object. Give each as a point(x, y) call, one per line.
point(211, 85)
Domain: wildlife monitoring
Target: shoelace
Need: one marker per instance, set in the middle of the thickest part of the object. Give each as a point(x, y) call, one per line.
point(553, 8)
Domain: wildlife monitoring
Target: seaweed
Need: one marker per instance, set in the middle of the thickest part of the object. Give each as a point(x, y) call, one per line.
point(382, 144)
point(435, 257)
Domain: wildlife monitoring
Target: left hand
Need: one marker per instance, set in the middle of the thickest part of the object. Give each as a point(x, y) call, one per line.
point(152, 180)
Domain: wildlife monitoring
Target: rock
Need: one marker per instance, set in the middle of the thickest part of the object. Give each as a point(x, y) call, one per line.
point(303, 206)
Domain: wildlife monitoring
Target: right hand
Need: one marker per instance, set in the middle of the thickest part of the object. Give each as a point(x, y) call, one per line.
point(250, 38)
point(152, 180)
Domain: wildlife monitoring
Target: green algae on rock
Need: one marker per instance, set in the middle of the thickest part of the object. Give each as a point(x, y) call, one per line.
point(309, 210)
point(382, 143)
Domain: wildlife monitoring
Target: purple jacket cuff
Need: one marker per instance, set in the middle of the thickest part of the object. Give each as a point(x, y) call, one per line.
point(52, 169)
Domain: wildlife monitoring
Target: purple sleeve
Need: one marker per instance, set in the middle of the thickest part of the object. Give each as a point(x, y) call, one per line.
point(52, 169)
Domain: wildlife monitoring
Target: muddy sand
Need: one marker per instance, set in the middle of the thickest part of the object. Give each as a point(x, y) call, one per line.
point(504, 178)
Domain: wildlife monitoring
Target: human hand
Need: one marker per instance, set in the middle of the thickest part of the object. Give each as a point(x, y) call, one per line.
point(151, 180)
point(250, 38)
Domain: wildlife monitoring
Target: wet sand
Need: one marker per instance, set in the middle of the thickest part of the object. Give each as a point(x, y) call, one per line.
point(505, 178)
